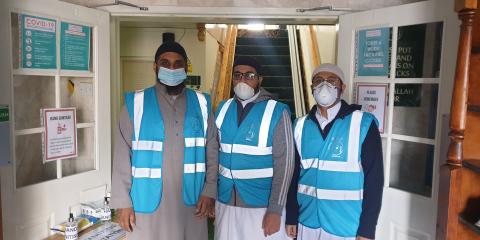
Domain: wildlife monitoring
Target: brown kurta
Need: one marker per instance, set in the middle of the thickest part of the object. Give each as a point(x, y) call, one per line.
point(172, 220)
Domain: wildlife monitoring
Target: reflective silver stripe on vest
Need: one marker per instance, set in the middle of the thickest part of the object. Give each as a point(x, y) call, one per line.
point(204, 109)
point(245, 174)
point(146, 172)
point(265, 124)
point(195, 142)
point(221, 114)
point(262, 148)
point(147, 145)
point(351, 165)
point(245, 149)
point(137, 114)
point(326, 194)
point(297, 134)
point(194, 167)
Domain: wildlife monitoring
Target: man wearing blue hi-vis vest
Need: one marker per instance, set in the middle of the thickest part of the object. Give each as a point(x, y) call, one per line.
point(336, 189)
point(166, 156)
point(255, 159)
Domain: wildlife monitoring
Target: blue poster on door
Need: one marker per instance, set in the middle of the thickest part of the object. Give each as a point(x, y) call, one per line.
point(373, 46)
point(38, 42)
point(74, 47)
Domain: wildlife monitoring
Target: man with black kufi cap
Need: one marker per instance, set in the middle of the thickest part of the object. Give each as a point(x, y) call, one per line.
point(165, 165)
point(255, 159)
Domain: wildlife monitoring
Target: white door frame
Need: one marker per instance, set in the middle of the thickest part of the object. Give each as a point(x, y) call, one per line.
point(28, 212)
point(421, 12)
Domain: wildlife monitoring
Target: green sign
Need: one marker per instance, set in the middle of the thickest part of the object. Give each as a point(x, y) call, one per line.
point(4, 116)
point(408, 95)
point(38, 42)
point(75, 47)
point(410, 51)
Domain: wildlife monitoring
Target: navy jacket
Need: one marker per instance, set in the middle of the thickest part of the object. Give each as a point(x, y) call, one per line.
point(372, 164)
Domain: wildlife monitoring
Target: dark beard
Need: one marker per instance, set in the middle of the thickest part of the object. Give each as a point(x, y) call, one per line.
point(175, 90)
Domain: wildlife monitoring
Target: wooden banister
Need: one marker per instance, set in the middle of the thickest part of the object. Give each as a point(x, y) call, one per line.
point(460, 89)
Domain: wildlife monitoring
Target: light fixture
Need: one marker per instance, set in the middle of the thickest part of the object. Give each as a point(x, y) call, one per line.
point(119, 2)
point(215, 25)
point(329, 8)
point(257, 27)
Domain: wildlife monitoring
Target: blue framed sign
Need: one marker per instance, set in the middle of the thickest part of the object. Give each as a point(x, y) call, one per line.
point(75, 47)
point(38, 42)
point(372, 50)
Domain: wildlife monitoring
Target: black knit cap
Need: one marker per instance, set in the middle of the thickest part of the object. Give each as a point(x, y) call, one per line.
point(249, 61)
point(171, 47)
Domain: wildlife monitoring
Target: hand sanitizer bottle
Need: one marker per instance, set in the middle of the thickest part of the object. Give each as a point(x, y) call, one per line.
point(106, 212)
point(71, 229)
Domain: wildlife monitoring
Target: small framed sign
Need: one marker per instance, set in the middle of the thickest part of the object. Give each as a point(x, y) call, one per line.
point(60, 137)
point(373, 98)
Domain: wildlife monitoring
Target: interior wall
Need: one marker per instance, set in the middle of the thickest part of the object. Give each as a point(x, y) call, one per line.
point(327, 45)
point(211, 49)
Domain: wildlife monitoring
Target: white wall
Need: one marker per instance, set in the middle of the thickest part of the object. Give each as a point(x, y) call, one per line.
point(211, 49)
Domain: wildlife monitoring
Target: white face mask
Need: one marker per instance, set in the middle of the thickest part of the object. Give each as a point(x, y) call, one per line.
point(243, 91)
point(325, 94)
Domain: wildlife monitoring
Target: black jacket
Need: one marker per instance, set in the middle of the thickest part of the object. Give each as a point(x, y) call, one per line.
point(372, 165)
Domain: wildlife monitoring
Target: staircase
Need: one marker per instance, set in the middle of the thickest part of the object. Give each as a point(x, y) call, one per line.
point(271, 49)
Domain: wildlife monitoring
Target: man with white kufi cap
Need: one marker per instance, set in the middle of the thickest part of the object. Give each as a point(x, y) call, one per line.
point(336, 190)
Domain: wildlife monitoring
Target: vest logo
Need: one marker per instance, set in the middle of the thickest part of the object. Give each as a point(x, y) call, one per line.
point(250, 134)
point(336, 147)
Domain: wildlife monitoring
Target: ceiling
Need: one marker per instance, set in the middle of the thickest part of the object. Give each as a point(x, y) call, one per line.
point(356, 5)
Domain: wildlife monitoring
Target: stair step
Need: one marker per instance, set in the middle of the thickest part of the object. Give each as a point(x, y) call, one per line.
point(281, 92)
point(277, 81)
point(473, 108)
point(472, 164)
point(277, 71)
point(282, 33)
point(262, 41)
point(262, 50)
point(470, 223)
point(273, 60)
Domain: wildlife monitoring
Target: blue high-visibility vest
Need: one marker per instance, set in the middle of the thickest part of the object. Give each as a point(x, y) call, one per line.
point(330, 188)
point(148, 143)
point(245, 157)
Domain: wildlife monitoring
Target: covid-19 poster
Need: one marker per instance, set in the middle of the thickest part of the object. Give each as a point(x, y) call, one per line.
point(38, 42)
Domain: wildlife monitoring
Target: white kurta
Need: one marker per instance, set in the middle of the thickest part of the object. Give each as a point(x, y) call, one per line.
point(238, 223)
point(306, 233)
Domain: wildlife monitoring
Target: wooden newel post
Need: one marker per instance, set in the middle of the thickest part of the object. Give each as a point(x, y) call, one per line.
point(460, 90)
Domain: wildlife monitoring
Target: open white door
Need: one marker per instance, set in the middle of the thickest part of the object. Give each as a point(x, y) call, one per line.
point(419, 43)
point(58, 57)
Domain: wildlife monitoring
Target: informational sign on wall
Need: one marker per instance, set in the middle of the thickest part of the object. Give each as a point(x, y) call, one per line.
point(60, 137)
point(372, 52)
point(38, 42)
point(75, 47)
point(373, 98)
point(5, 157)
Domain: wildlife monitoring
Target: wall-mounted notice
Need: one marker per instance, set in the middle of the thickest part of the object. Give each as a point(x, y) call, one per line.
point(38, 42)
point(60, 137)
point(373, 98)
point(75, 47)
point(5, 157)
point(372, 52)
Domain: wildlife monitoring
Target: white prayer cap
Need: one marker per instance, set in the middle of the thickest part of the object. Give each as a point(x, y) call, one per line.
point(329, 67)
